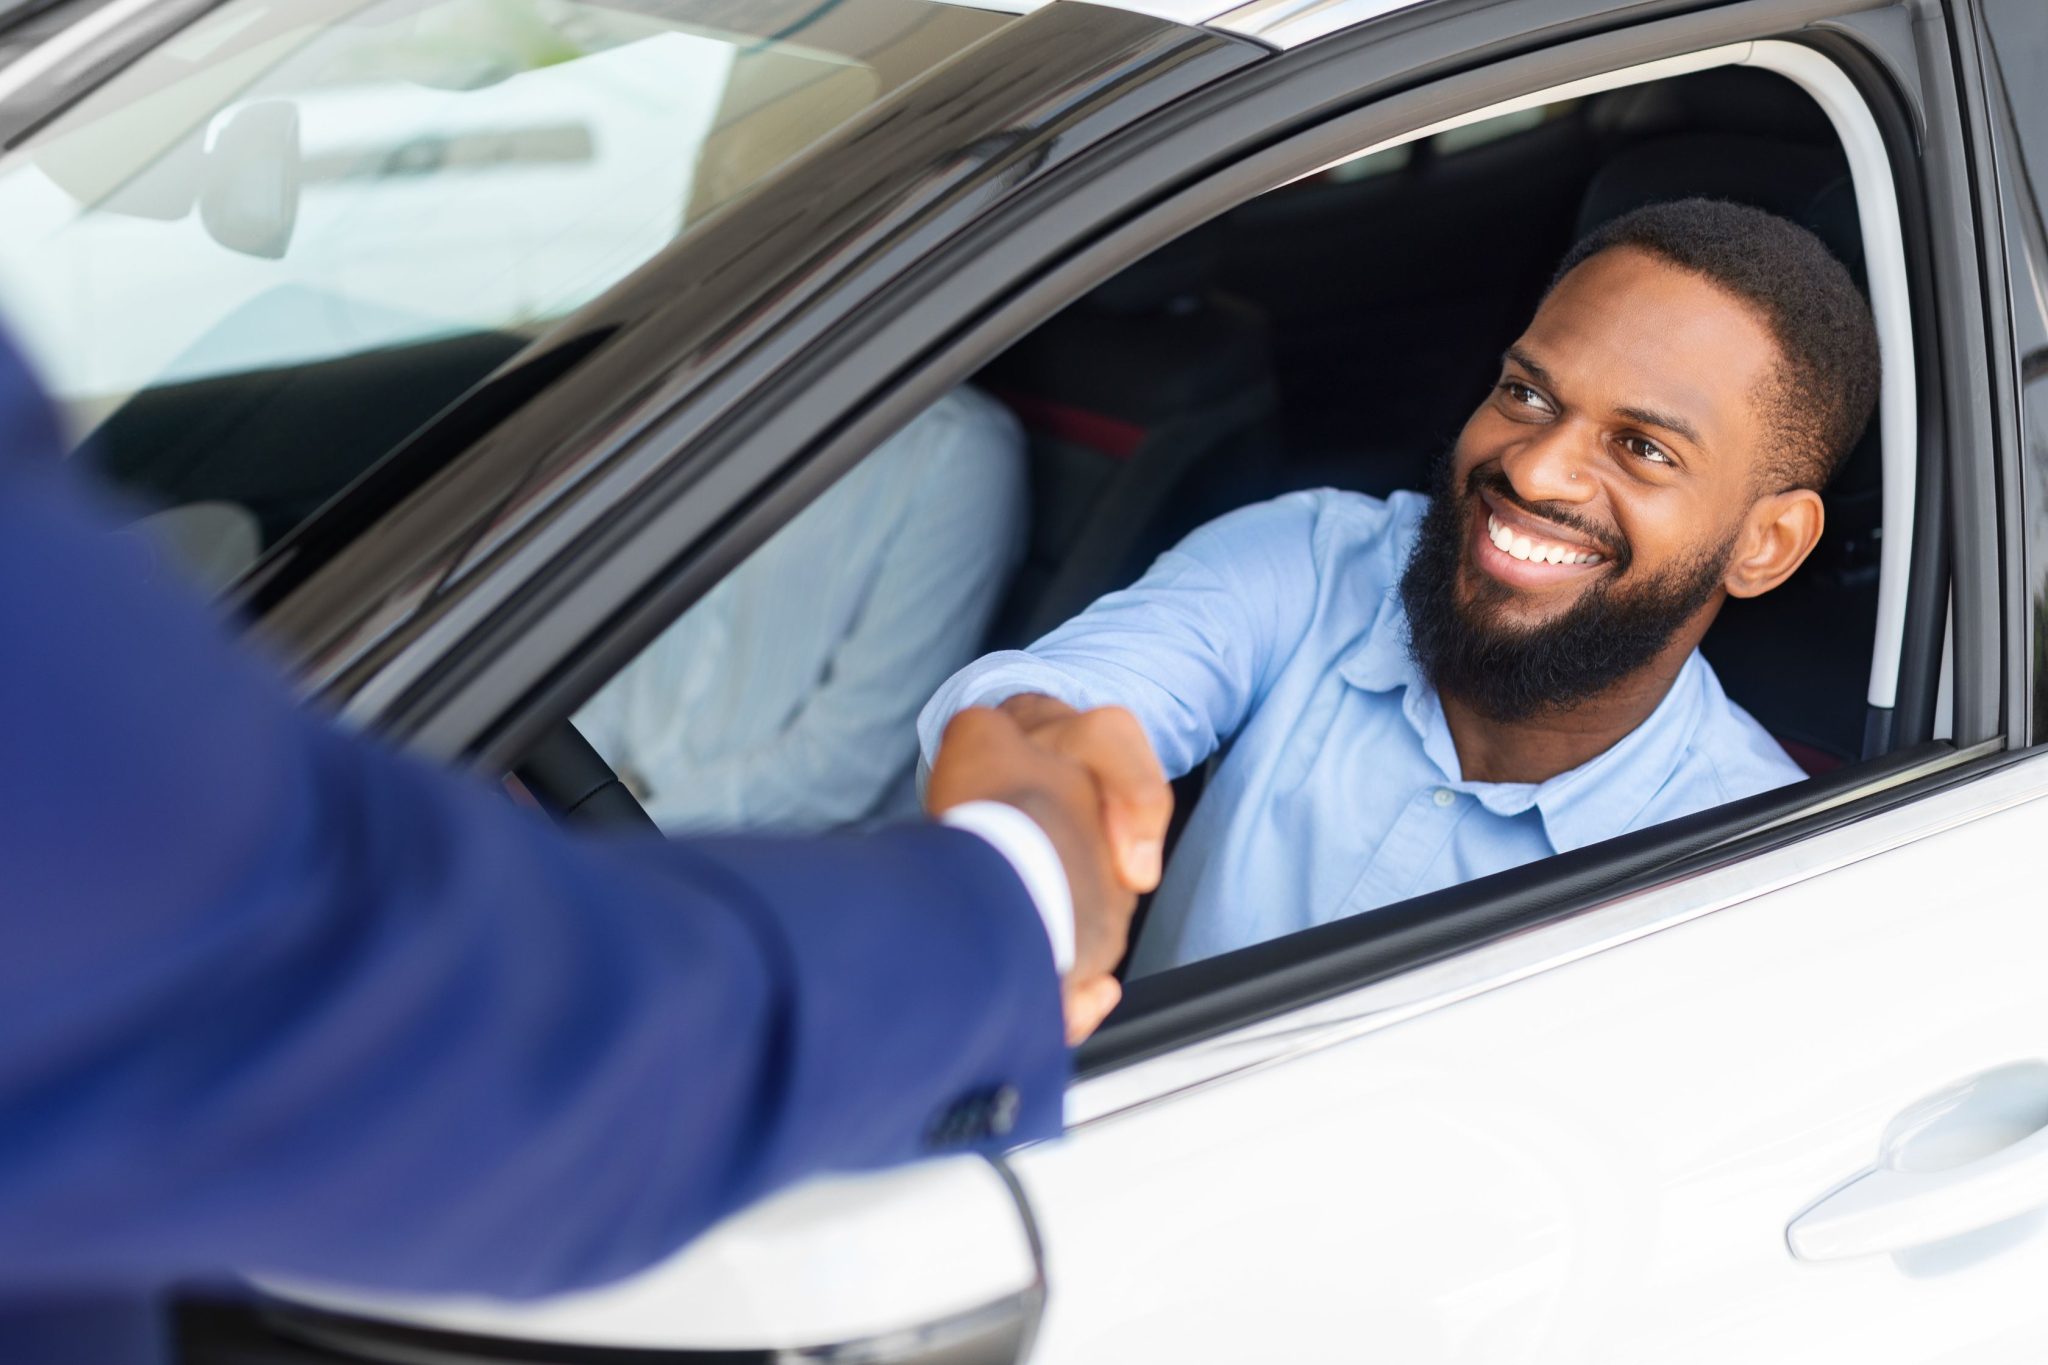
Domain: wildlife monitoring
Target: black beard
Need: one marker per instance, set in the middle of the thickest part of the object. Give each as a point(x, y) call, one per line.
point(1509, 674)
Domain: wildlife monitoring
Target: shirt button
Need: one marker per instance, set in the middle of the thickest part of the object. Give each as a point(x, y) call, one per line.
point(1444, 796)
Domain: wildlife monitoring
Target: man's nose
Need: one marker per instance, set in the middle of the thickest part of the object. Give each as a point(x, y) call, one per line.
point(1553, 465)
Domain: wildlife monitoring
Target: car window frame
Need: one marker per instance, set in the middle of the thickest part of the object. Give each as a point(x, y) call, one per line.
point(2019, 257)
point(849, 395)
point(1169, 1014)
point(950, 313)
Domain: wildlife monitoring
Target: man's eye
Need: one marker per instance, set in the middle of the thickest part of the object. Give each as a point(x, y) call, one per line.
point(1521, 393)
point(1645, 450)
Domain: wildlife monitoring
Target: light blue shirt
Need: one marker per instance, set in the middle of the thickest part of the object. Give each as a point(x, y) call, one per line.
point(786, 695)
point(1278, 631)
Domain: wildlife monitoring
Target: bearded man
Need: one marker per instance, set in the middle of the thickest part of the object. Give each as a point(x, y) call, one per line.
point(1417, 691)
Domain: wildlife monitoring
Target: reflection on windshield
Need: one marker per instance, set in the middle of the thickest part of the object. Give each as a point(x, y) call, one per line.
point(324, 219)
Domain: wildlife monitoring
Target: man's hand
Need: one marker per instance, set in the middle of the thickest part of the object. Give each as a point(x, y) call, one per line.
point(1137, 800)
point(1091, 782)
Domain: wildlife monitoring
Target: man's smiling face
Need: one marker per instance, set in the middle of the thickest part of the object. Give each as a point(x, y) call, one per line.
point(1607, 493)
point(1618, 451)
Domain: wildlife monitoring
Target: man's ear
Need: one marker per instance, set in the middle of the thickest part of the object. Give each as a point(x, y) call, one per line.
point(1780, 532)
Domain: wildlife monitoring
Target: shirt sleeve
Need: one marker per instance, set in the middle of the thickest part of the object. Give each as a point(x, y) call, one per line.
point(1029, 851)
point(1189, 649)
point(276, 997)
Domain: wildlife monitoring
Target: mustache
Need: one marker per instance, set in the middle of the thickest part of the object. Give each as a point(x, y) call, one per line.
point(1492, 479)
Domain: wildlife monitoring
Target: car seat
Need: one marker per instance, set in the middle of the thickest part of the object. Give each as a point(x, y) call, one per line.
point(1124, 396)
point(1798, 658)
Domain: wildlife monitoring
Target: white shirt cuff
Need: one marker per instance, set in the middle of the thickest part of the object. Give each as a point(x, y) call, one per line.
point(1029, 850)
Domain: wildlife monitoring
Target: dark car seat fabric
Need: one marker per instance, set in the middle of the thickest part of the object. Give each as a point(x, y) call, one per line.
point(1124, 397)
point(1392, 295)
point(1809, 185)
point(1798, 659)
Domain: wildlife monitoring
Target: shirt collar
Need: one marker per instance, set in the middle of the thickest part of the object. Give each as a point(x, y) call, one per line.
point(1596, 800)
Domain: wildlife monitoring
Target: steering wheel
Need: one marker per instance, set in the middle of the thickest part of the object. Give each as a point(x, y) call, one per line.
point(576, 786)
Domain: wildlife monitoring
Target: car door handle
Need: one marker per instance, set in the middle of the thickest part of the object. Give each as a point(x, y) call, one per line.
point(1973, 1156)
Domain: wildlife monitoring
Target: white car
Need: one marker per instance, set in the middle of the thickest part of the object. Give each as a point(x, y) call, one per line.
point(1769, 1083)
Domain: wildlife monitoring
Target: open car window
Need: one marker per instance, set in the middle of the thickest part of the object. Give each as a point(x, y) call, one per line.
point(1330, 335)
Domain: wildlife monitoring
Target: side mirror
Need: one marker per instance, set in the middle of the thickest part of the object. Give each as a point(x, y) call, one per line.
point(927, 1264)
point(249, 201)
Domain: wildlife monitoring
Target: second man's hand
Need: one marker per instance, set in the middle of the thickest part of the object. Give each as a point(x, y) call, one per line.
point(1077, 779)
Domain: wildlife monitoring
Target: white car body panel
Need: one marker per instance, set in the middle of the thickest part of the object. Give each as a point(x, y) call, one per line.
point(832, 1260)
point(1597, 1162)
point(1594, 1156)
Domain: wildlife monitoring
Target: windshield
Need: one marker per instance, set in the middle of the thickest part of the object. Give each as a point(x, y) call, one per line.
point(279, 242)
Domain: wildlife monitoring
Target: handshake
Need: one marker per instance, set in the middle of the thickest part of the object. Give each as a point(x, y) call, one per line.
point(1093, 784)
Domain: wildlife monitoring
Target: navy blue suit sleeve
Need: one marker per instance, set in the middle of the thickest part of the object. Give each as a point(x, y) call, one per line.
point(273, 996)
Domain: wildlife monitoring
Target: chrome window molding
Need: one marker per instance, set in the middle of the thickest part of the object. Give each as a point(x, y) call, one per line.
point(1518, 956)
point(1278, 23)
point(1199, 12)
point(1290, 23)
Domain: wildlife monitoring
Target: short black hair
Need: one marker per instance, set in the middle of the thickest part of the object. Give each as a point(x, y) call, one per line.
point(1823, 327)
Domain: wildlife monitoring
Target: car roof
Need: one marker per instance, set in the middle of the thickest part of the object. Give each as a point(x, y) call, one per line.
point(1279, 23)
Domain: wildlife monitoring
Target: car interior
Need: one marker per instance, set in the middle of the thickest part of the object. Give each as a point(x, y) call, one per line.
point(1333, 332)
point(1338, 331)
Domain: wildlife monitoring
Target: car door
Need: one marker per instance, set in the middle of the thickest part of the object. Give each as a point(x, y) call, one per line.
point(1790, 1105)
point(1762, 1113)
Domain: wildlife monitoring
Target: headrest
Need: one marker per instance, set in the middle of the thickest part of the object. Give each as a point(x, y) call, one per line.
point(1742, 101)
point(1809, 185)
point(1177, 274)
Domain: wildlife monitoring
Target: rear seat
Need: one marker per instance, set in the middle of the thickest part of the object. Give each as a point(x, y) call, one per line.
point(1126, 396)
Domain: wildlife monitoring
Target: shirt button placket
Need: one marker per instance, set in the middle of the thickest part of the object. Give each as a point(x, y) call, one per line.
point(1407, 852)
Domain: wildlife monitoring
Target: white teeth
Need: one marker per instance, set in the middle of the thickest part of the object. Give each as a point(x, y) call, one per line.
point(1541, 552)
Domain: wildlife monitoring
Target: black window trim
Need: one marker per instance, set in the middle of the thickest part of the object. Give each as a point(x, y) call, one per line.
point(2025, 253)
point(1964, 284)
point(1171, 1010)
point(1966, 167)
